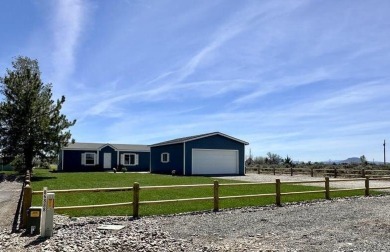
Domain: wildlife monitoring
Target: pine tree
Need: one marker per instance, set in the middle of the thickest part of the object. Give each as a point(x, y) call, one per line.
point(31, 123)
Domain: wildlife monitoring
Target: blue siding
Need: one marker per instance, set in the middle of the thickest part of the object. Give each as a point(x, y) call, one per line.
point(175, 159)
point(215, 142)
point(72, 161)
point(143, 161)
point(176, 154)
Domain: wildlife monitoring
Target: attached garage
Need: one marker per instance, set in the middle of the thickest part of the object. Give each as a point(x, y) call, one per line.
point(207, 154)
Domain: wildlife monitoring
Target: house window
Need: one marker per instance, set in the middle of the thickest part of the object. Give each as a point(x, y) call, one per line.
point(88, 158)
point(130, 159)
point(165, 157)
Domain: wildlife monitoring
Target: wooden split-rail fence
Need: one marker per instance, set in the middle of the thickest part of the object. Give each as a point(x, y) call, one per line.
point(330, 172)
point(28, 193)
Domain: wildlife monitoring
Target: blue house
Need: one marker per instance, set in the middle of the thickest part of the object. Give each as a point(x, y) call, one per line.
point(207, 154)
point(97, 156)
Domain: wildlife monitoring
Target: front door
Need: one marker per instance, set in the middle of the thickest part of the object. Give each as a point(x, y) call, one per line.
point(107, 160)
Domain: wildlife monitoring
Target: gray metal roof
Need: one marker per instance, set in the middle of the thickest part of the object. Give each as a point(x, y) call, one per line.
point(192, 138)
point(97, 146)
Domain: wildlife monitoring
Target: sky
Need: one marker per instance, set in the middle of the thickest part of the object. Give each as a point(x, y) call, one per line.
point(307, 79)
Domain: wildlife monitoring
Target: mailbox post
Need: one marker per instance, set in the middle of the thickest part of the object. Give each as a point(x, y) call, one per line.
point(47, 213)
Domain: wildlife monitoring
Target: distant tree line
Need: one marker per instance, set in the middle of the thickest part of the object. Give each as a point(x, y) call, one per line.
point(271, 159)
point(275, 159)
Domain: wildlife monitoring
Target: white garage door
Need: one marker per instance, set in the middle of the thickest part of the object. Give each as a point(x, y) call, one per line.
point(205, 161)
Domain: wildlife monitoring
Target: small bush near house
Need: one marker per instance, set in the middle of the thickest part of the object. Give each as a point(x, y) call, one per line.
point(98, 168)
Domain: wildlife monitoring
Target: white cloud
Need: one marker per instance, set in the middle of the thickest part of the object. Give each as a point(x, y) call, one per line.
point(172, 84)
point(69, 17)
point(276, 74)
point(266, 87)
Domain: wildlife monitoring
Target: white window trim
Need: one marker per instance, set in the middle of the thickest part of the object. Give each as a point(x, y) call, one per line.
point(84, 158)
point(136, 159)
point(162, 157)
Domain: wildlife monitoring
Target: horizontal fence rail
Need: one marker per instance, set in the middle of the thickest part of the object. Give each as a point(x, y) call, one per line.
point(113, 189)
point(93, 206)
point(215, 198)
point(174, 200)
point(324, 171)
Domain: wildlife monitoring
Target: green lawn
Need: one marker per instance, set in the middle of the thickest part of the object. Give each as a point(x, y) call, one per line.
point(44, 178)
point(9, 172)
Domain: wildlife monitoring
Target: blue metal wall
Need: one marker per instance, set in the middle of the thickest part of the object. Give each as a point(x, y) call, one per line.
point(176, 154)
point(175, 159)
point(215, 142)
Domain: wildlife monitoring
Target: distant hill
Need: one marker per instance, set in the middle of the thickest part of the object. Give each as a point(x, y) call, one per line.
point(352, 160)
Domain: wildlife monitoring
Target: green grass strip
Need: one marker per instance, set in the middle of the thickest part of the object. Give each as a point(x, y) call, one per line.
point(44, 178)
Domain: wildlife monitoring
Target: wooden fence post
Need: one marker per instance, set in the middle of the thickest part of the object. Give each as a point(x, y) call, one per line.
point(335, 172)
point(135, 200)
point(274, 170)
point(278, 202)
point(216, 196)
point(363, 173)
point(367, 185)
point(28, 176)
point(258, 169)
point(27, 199)
point(327, 196)
point(312, 172)
point(291, 171)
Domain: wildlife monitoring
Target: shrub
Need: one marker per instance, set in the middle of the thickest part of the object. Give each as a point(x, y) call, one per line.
point(18, 163)
point(44, 165)
point(98, 168)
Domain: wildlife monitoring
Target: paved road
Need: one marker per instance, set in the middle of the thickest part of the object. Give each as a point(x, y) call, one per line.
point(9, 197)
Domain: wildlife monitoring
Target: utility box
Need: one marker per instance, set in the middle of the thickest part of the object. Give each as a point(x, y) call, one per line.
point(34, 220)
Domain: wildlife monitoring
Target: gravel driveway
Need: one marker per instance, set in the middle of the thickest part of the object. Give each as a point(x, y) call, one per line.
point(9, 197)
point(254, 177)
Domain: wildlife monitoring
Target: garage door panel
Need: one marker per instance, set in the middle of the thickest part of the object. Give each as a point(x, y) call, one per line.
point(214, 161)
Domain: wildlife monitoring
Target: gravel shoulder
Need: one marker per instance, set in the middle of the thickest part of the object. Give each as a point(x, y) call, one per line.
point(351, 224)
point(357, 224)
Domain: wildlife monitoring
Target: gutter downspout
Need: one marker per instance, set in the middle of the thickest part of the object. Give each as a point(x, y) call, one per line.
point(184, 158)
point(62, 161)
